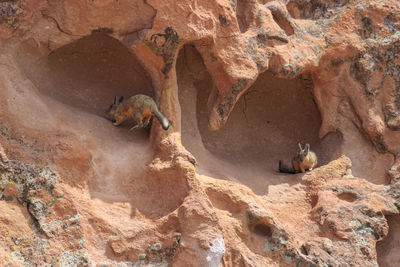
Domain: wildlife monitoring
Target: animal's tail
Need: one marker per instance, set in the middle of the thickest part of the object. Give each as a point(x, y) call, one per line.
point(285, 169)
point(163, 120)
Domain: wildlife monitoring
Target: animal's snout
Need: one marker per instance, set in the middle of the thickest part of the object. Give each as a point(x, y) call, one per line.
point(108, 117)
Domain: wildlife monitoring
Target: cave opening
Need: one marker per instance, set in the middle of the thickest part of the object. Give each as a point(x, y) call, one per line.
point(75, 85)
point(387, 250)
point(88, 73)
point(266, 125)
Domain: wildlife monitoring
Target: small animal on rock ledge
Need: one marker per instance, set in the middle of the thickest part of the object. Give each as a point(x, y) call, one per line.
point(303, 161)
point(138, 107)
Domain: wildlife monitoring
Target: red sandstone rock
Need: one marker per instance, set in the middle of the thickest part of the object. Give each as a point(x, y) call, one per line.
point(263, 75)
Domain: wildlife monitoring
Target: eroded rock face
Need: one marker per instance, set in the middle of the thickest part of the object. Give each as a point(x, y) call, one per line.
point(263, 75)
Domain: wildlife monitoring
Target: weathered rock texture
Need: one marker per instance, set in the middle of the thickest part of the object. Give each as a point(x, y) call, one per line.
point(242, 83)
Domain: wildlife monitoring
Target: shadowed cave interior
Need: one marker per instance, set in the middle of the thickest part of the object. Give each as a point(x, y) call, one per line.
point(77, 83)
point(388, 249)
point(266, 125)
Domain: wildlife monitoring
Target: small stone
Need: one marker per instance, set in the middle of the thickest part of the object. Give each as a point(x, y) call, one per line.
point(17, 256)
point(156, 247)
point(360, 7)
point(15, 240)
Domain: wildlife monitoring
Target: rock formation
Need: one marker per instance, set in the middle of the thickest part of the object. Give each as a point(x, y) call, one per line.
point(243, 82)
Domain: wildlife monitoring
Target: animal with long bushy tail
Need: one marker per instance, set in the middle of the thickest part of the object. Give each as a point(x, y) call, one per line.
point(138, 107)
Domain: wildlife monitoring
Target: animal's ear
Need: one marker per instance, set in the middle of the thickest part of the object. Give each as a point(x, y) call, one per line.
point(300, 147)
point(115, 100)
point(307, 148)
point(121, 100)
